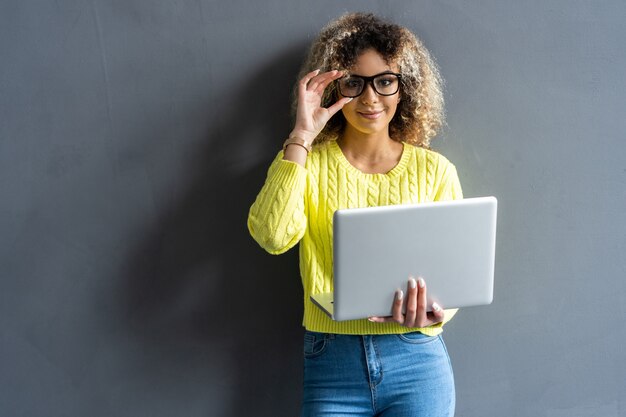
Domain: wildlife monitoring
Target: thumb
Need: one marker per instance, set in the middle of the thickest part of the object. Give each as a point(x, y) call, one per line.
point(338, 105)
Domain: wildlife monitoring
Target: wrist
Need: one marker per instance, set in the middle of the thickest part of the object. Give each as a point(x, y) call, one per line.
point(302, 134)
point(295, 153)
point(295, 140)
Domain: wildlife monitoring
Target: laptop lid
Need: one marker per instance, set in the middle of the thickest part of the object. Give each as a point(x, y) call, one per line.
point(451, 244)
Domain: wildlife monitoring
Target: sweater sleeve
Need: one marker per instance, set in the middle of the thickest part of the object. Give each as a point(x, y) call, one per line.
point(449, 185)
point(277, 219)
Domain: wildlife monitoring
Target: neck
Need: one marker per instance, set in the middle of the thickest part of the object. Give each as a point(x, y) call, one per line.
point(370, 153)
point(367, 147)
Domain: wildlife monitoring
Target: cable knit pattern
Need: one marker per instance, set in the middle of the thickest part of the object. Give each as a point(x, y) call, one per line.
point(296, 204)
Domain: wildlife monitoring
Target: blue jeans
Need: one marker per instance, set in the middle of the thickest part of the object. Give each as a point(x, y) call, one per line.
point(377, 375)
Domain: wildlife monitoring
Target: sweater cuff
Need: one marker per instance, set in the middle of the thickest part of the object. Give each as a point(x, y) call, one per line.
point(286, 173)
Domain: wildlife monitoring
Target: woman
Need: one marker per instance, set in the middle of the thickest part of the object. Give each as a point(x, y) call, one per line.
point(368, 103)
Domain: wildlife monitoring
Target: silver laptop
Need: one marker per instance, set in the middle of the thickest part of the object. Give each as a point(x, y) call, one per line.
point(451, 244)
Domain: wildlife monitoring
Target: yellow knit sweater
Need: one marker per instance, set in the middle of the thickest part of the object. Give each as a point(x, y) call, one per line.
point(296, 204)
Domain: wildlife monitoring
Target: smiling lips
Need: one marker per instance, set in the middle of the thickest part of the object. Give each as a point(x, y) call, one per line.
point(371, 114)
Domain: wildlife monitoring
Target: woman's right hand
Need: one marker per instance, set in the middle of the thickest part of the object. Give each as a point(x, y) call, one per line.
point(416, 307)
point(311, 117)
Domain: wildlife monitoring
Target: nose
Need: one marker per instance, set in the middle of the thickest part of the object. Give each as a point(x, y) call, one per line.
point(369, 95)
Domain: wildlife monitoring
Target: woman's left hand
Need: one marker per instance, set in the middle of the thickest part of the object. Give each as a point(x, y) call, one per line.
point(416, 306)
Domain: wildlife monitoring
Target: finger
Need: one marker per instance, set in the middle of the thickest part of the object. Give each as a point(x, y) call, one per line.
point(328, 78)
point(319, 83)
point(438, 314)
point(304, 81)
point(378, 319)
point(338, 105)
point(396, 310)
point(411, 303)
point(307, 77)
point(422, 319)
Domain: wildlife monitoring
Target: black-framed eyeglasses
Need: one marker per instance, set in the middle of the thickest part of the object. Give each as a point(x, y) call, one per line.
point(385, 84)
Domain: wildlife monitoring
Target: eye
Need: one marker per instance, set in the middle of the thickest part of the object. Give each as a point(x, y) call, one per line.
point(352, 82)
point(385, 81)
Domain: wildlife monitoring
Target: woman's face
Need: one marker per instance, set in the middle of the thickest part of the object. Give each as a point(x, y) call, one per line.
point(371, 113)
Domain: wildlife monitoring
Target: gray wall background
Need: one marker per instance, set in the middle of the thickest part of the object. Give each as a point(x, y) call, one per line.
point(135, 134)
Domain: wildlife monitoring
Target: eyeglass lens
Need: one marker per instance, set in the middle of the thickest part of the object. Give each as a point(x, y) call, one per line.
point(384, 84)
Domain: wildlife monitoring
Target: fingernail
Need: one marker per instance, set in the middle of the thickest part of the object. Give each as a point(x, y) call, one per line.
point(421, 282)
point(371, 319)
point(399, 294)
point(412, 283)
point(350, 99)
point(436, 307)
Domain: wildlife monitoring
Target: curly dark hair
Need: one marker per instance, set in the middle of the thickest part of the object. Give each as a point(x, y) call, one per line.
point(420, 113)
